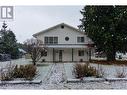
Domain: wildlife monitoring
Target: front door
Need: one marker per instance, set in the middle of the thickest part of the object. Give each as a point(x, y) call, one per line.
point(60, 55)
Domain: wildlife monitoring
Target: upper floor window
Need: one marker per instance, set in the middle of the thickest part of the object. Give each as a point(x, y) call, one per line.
point(80, 39)
point(62, 26)
point(67, 38)
point(51, 40)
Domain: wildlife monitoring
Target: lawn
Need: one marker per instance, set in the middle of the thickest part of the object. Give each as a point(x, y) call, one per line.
point(42, 69)
point(110, 70)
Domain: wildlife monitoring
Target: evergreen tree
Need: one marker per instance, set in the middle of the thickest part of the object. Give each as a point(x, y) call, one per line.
point(107, 27)
point(8, 42)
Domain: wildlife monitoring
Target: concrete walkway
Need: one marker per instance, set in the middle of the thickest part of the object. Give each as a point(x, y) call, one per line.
point(56, 74)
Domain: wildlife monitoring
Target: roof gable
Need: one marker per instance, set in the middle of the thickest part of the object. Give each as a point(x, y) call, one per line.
point(41, 32)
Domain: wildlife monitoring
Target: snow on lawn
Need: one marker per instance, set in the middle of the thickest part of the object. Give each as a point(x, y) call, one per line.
point(110, 70)
point(42, 70)
point(69, 70)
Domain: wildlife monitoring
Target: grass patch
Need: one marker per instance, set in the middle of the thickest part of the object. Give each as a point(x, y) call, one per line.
point(105, 62)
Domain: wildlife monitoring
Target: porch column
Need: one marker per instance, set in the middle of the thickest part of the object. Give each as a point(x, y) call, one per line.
point(53, 55)
point(89, 54)
point(72, 55)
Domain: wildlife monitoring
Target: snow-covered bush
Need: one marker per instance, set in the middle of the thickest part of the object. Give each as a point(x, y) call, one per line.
point(10, 72)
point(6, 73)
point(121, 73)
point(100, 72)
point(25, 71)
point(84, 70)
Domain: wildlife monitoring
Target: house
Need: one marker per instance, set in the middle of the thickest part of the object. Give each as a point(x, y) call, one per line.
point(64, 43)
point(21, 52)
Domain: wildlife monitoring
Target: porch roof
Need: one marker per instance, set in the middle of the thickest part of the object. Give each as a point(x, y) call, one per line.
point(67, 46)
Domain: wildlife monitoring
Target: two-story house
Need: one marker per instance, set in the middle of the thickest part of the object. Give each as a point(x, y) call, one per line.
point(64, 43)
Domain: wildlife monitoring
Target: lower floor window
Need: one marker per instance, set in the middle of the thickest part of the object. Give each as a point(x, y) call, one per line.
point(81, 53)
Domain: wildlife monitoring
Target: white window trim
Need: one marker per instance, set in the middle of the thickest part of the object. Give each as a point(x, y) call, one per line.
point(51, 41)
point(80, 39)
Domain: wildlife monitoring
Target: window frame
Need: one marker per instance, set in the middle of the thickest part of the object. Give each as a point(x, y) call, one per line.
point(81, 53)
point(51, 40)
point(80, 39)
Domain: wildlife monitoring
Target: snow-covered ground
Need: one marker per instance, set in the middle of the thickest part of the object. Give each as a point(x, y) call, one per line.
point(42, 70)
point(119, 56)
point(63, 85)
point(109, 70)
point(55, 78)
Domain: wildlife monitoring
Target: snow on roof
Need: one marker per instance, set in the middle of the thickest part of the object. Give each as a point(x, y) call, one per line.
point(21, 50)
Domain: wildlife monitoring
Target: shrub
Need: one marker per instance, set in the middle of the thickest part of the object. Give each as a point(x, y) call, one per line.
point(78, 70)
point(6, 73)
point(25, 71)
point(100, 72)
point(30, 71)
point(84, 70)
point(18, 71)
point(121, 73)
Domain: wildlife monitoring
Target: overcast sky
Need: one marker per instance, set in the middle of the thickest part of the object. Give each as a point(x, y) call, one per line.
point(32, 19)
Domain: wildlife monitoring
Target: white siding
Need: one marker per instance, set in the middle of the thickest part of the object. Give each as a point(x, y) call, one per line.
point(62, 33)
point(67, 55)
point(78, 58)
point(49, 55)
point(67, 52)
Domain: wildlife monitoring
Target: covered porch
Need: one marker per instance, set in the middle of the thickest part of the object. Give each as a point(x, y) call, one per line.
point(67, 53)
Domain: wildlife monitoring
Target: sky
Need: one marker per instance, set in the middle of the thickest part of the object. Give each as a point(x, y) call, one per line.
point(32, 19)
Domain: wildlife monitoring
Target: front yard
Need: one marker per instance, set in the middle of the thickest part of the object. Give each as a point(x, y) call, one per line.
point(42, 70)
point(55, 76)
point(109, 70)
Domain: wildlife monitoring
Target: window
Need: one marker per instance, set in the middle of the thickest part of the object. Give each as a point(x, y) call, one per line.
point(67, 38)
point(81, 53)
point(55, 40)
point(62, 26)
point(51, 40)
point(80, 39)
point(46, 39)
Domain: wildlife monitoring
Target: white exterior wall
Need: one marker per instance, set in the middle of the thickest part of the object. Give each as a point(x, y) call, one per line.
point(62, 33)
point(67, 55)
point(67, 52)
point(78, 58)
point(49, 56)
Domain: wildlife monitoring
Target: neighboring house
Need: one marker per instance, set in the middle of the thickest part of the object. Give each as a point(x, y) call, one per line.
point(64, 43)
point(21, 52)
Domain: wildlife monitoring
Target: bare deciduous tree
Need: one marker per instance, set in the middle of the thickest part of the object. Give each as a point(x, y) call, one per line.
point(35, 48)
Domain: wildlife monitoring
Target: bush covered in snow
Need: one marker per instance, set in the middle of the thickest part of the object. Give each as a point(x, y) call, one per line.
point(25, 71)
point(6, 73)
point(121, 73)
point(84, 70)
